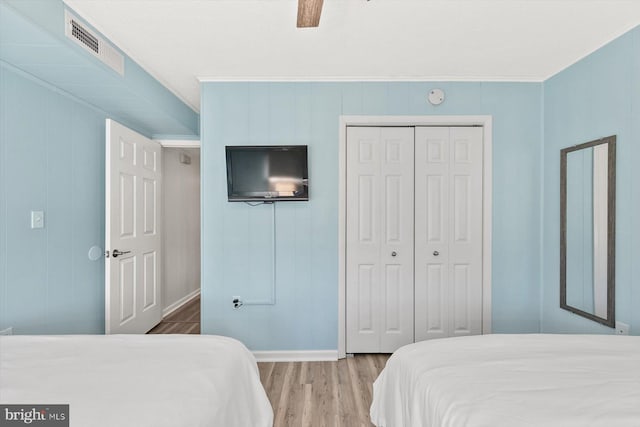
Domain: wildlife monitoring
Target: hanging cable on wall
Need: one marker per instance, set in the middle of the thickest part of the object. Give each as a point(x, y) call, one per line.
point(272, 299)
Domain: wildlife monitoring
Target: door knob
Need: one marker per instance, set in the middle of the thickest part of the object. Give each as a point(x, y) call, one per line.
point(436, 253)
point(394, 253)
point(116, 252)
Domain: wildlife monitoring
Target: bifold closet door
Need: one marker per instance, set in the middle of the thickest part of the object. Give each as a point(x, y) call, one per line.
point(448, 232)
point(379, 250)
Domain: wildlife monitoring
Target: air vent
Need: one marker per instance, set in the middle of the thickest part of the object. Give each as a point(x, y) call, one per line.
point(93, 43)
point(86, 38)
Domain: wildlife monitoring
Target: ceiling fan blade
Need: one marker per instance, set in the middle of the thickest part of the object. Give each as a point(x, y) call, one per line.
point(309, 13)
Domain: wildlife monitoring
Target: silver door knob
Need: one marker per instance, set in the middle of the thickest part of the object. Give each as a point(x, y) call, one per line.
point(116, 252)
point(436, 253)
point(394, 253)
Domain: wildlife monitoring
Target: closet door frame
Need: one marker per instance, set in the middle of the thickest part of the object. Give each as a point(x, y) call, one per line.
point(486, 123)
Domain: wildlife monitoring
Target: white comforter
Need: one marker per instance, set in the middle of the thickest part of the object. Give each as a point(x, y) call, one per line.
point(136, 380)
point(511, 380)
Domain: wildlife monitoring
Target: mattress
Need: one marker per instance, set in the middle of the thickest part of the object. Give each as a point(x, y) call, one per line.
point(136, 380)
point(511, 380)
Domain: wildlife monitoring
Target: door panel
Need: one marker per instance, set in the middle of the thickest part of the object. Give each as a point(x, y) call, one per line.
point(366, 289)
point(363, 240)
point(392, 298)
point(461, 213)
point(435, 189)
point(366, 211)
point(379, 239)
point(133, 188)
point(150, 280)
point(432, 293)
point(393, 225)
point(466, 239)
point(460, 300)
point(150, 206)
point(448, 221)
point(435, 321)
point(396, 297)
point(150, 156)
point(127, 217)
point(127, 288)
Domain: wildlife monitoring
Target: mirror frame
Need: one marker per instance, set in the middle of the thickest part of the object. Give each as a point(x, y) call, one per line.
point(611, 230)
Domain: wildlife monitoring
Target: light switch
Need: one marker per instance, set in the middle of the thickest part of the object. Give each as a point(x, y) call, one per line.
point(37, 219)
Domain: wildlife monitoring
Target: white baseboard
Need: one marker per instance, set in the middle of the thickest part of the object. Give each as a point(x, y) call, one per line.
point(296, 356)
point(182, 301)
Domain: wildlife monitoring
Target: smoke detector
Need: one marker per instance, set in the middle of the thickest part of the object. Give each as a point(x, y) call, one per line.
point(436, 97)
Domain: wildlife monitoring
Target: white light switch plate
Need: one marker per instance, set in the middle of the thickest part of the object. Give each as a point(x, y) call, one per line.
point(37, 219)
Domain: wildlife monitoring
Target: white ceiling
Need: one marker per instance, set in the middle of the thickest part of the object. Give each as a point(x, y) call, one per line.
point(183, 41)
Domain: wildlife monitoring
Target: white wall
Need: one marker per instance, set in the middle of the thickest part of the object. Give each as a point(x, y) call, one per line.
point(181, 272)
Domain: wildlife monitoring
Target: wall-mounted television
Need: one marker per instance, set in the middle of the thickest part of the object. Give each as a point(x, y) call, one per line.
point(267, 173)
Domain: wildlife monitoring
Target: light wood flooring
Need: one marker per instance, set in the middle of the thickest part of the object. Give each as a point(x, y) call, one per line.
point(303, 394)
point(318, 394)
point(185, 320)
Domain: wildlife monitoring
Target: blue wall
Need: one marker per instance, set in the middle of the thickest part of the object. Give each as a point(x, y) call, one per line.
point(236, 238)
point(54, 99)
point(596, 97)
point(51, 159)
point(32, 39)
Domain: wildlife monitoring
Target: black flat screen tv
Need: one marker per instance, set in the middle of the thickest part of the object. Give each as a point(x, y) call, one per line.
point(267, 173)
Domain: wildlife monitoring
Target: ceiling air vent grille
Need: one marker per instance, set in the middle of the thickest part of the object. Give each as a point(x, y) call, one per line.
point(93, 43)
point(81, 34)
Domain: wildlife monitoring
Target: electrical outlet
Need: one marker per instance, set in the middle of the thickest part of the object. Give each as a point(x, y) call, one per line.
point(622, 328)
point(8, 331)
point(237, 302)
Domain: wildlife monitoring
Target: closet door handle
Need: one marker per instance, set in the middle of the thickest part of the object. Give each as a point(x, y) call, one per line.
point(394, 253)
point(436, 253)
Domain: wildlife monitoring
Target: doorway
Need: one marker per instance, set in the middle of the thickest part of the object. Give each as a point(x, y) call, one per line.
point(180, 241)
point(152, 225)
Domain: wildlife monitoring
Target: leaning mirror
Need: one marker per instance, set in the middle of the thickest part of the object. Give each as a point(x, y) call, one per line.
point(587, 229)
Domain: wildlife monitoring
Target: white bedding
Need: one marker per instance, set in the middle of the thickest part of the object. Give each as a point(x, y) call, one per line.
point(136, 380)
point(511, 380)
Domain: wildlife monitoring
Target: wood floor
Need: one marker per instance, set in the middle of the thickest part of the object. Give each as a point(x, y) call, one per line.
point(318, 394)
point(185, 320)
point(303, 394)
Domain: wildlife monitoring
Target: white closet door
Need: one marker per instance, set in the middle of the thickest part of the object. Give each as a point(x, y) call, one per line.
point(379, 251)
point(448, 240)
point(432, 232)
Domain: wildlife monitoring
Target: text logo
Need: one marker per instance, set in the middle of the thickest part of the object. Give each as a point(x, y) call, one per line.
point(34, 415)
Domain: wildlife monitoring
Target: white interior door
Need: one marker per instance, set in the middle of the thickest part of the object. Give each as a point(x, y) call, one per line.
point(379, 250)
point(133, 235)
point(448, 238)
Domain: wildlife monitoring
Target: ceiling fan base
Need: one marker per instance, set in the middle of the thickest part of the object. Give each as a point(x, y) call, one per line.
point(309, 13)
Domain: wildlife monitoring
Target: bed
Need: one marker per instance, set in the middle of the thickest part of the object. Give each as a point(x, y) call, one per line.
point(136, 380)
point(511, 380)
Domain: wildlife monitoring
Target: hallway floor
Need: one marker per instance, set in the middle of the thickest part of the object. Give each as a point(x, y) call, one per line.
point(185, 320)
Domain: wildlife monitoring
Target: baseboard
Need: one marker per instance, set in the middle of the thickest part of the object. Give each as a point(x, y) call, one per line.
point(182, 301)
point(296, 356)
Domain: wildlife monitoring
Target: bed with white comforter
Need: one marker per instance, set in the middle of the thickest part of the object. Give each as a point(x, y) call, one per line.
point(136, 380)
point(510, 381)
